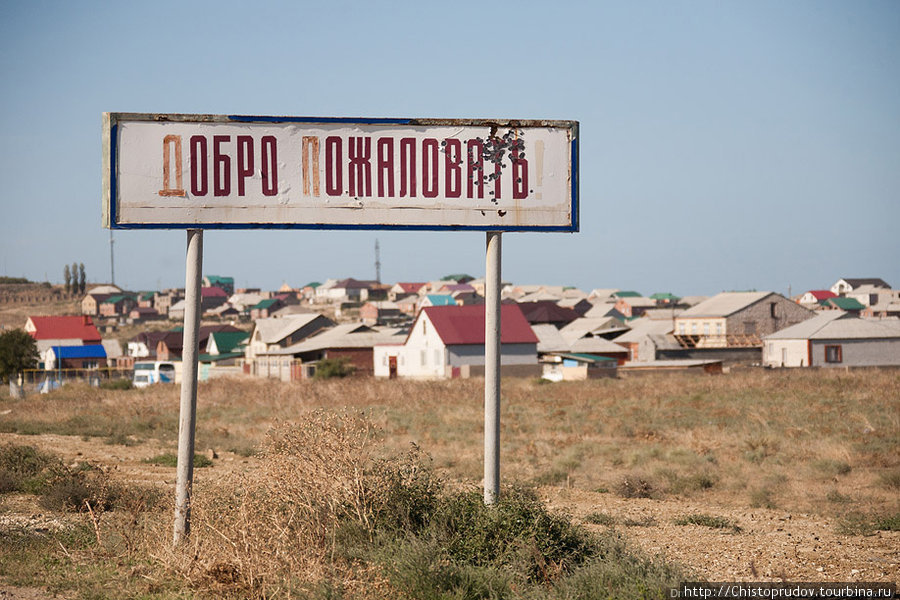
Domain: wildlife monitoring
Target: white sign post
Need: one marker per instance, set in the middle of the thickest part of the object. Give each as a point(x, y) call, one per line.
point(195, 172)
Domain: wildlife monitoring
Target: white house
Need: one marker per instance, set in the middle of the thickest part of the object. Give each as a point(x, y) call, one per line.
point(448, 341)
point(835, 339)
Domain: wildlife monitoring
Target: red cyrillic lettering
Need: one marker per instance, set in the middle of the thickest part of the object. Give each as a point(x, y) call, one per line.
point(359, 181)
point(269, 159)
point(519, 175)
point(408, 167)
point(178, 190)
point(334, 185)
point(474, 168)
point(244, 160)
point(221, 167)
point(385, 168)
point(199, 166)
point(430, 168)
point(452, 168)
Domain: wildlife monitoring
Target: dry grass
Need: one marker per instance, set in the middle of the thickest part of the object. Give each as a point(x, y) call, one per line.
point(767, 438)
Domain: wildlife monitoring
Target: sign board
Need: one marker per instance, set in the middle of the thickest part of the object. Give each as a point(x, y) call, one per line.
point(169, 171)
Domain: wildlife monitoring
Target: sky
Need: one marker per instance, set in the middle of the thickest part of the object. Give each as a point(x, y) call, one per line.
point(723, 145)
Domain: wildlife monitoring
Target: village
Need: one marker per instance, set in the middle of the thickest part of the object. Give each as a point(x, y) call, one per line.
point(435, 330)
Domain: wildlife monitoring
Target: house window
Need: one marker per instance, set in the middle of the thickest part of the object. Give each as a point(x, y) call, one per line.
point(706, 329)
point(422, 357)
point(682, 329)
point(749, 327)
point(833, 354)
point(772, 310)
point(437, 357)
point(694, 327)
point(719, 328)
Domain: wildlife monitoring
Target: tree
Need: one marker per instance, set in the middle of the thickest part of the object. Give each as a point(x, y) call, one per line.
point(67, 275)
point(82, 279)
point(18, 351)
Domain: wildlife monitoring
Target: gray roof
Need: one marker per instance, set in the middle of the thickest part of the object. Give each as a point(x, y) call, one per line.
point(274, 329)
point(590, 326)
point(644, 327)
point(838, 325)
point(724, 304)
point(549, 338)
point(348, 335)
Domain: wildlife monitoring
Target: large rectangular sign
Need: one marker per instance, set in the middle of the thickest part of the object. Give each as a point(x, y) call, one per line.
point(214, 171)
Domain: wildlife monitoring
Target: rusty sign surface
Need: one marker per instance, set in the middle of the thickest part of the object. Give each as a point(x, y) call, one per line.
point(216, 171)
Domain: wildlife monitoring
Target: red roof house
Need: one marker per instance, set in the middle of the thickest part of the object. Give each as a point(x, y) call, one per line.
point(68, 330)
point(448, 341)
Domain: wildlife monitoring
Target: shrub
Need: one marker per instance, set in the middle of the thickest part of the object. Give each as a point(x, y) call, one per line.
point(116, 384)
point(710, 521)
point(26, 469)
point(600, 519)
point(634, 486)
point(171, 460)
point(330, 368)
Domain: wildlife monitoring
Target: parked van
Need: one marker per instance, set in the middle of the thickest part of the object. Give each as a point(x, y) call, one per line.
point(149, 372)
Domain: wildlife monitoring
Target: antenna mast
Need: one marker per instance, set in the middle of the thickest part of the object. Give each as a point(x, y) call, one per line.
point(112, 268)
point(377, 261)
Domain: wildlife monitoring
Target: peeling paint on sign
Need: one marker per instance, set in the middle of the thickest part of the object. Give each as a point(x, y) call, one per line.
point(203, 171)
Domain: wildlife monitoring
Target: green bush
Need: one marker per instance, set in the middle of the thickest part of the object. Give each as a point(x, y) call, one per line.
point(330, 368)
point(26, 469)
point(171, 460)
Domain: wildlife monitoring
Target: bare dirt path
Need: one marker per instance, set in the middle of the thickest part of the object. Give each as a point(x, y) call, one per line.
point(771, 544)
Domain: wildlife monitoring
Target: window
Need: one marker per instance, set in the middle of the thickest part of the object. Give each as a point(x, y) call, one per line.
point(749, 327)
point(694, 327)
point(772, 310)
point(422, 357)
point(833, 354)
point(682, 328)
point(719, 328)
point(706, 329)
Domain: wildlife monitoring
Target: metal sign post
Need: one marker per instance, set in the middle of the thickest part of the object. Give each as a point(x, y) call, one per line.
point(188, 411)
point(492, 369)
point(195, 172)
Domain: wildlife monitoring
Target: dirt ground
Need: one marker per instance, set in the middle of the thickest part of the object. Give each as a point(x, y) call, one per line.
point(770, 544)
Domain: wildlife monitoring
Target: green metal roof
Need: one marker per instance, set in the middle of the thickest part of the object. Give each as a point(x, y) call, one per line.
point(227, 341)
point(264, 304)
point(585, 357)
point(844, 303)
point(627, 294)
point(664, 296)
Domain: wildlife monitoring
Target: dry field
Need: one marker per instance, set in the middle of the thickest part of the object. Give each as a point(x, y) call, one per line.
point(752, 475)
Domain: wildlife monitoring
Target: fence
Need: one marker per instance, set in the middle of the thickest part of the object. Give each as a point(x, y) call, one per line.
point(40, 380)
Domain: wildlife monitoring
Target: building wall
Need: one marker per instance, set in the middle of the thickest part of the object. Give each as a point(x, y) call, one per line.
point(786, 313)
point(510, 354)
point(786, 353)
point(859, 353)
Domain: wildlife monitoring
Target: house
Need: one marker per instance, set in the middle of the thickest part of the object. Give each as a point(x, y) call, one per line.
point(352, 342)
point(577, 367)
point(579, 305)
point(171, 345)
point(223, 283)
point(812, 298)
point(835, 339)
point(118, 305)
point(383, 312)
point(844, 304)
point(737, 319)
point(140, 314)
point(591, 336)
point(89, 356)
point(404, 289)
point(871, 296)
point(163, 301)
point(265, 308)
point(224, 347)
point(212, 297)
point(276, 333)
point(346, 290)
point(645, 337)
point(90, 304)
point(70, 330)
point(242, 301)
point(448, 341)
point(634, 306)
point(844, 286)
point(547, 311)
point(665, 298)
point(144, 344)
point(437, 300)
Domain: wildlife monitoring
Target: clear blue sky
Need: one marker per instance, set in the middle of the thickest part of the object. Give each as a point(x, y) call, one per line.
point(725, 145)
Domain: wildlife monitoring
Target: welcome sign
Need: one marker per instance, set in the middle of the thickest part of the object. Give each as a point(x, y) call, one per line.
point(216, 171)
